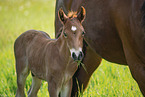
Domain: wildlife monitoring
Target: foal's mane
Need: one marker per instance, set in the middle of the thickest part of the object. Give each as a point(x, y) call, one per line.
point(72, 14)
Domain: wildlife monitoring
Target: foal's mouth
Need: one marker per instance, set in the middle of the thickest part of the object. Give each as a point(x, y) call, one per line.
point(77, 55)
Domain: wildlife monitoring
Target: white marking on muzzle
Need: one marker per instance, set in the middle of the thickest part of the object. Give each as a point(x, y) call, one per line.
point(77, 52)
point(73, 28)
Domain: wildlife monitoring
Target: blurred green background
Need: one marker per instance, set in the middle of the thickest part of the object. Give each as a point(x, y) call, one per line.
point(17, 16)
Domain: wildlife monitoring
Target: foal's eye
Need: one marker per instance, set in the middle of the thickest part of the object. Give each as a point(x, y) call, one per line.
point(65, 35)
point(83, 33)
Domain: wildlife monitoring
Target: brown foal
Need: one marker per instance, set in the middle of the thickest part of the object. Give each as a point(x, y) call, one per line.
point(52, 60)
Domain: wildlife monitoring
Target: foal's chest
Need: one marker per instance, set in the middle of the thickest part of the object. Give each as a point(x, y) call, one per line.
point(70, 70)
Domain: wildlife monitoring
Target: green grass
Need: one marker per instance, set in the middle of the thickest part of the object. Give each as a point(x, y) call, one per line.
point(17, 16)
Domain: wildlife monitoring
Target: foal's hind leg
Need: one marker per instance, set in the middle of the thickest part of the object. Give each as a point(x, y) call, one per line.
point(22, 73)
point(36, 83)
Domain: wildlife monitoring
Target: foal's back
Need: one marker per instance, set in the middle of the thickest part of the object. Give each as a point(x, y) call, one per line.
point(29, 36)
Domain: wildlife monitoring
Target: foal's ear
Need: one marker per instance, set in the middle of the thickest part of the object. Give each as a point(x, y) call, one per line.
point(81, 14)
point(62, 16)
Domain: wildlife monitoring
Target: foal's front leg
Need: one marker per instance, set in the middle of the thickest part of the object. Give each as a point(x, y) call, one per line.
point(66, 89)
point(53, 89)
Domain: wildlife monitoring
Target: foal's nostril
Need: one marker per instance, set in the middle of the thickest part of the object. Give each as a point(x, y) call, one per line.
point(74, 56)
point(81, 55)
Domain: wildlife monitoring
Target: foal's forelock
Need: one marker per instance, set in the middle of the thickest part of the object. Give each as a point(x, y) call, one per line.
point(72, 14)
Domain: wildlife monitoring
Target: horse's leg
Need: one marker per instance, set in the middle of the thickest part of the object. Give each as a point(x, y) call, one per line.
point(137, 68)
point(36, 83)
point(138, 72)
point(22, 73)
point(66, 89)
point(82, 76)
point(134, 61)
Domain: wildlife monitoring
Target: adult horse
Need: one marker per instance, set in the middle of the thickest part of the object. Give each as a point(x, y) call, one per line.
point(115, 31)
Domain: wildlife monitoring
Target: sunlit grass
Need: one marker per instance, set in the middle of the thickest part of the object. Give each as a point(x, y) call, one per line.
point(17, 16)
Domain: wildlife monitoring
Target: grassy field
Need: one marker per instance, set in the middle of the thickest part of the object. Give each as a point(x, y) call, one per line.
point(17, 16)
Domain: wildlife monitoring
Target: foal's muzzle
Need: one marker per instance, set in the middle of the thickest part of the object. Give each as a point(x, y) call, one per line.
point(77, 55)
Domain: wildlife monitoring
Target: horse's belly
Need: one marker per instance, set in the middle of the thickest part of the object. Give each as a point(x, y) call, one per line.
point(104, 39)
point(106, 42)
point(101, 32)
point(107, 50)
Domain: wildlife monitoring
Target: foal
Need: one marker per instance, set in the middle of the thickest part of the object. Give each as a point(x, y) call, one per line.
point(50, 60)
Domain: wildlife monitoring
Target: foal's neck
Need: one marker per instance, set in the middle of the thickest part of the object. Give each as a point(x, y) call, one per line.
point(62, 46)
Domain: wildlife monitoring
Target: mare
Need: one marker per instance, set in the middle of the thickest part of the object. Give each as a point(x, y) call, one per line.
point(115, 31)
point(52, 60)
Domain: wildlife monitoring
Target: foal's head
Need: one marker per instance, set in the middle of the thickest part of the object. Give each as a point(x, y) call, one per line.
point(73, 31)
